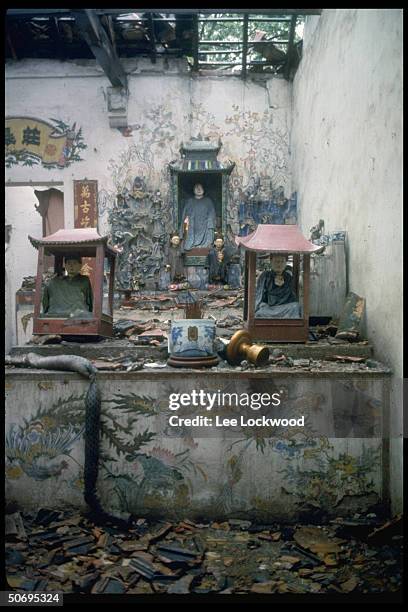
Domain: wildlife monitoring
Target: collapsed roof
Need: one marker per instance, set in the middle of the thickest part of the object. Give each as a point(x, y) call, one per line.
point(238, 42)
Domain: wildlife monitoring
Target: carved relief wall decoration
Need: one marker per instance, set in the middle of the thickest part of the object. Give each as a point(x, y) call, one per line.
point(140, 222)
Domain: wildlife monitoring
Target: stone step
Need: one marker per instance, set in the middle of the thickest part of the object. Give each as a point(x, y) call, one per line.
point(119, 348)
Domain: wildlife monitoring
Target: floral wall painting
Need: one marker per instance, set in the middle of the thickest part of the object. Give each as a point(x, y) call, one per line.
point(41, 446)
point(259, 186)
point(147, 467)
point(53, 143)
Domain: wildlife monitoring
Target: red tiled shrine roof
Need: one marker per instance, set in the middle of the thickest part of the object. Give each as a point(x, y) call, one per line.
point(277, 239)
point(80, 237)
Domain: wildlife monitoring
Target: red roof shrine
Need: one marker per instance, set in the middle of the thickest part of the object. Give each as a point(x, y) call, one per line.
point(81, 237)
point(277, 239)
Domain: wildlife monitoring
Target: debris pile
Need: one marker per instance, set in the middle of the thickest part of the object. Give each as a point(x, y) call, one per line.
point(152, 332)
point(155, 302)
point(55, 550)
point(28, 283)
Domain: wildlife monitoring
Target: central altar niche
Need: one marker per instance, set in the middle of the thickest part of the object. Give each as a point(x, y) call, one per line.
point(199, 179)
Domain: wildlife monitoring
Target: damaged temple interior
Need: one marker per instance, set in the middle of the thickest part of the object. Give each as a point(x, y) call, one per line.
point(203, 308)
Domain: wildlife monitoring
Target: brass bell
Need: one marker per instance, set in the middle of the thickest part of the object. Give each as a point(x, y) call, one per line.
point(241, 347)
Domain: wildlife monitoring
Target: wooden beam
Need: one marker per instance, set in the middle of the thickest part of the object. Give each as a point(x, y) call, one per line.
point(238, 63)
point(290, 47)
point(111, 32)
point(260, 11)
point(244, 46)
point(240, 42)
point(220, 42)
point(239, 19)
point(11, 47)
point(196, 43)
point(56, 36)
point(97, 39)
point(24, 12)
point(152, 38)
point(223, 52)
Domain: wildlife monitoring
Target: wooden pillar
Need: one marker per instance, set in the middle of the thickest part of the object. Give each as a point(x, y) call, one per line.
point(244, 45)
point(38, 283)
point(306, 286)
point(251, 286)
point(58, 264)
point(246, 264)
point(111, 284)
point(98, 287)
point(296, 266)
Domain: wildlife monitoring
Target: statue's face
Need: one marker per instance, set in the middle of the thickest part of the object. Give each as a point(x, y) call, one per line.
point(219, 243)
point(73, 267)
point(198, 190)
point(175, 241)
point(278, 263)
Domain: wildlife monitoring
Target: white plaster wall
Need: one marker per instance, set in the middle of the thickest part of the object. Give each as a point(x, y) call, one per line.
point(21, 256)
point(347, 154)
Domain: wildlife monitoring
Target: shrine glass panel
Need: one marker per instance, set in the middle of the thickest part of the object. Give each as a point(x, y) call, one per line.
point(278, 293)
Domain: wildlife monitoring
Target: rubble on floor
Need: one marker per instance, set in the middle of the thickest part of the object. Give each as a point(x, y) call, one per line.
point(141, 332)
point(55, 550)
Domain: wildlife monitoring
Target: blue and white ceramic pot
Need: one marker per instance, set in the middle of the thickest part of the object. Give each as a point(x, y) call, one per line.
point(192, 338)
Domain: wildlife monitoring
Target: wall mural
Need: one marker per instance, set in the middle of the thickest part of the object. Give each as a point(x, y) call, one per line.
point(145, 469)
point(53, 144)
point(140, 182)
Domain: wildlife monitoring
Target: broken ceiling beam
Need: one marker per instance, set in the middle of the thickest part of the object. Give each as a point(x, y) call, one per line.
point(213, 11)
point(11, 46)
point(109, 23)
point(223, 52)
point(25, 12)
point(244, 45)
point(97, 39)
point(196, 43)
point(268, 49)
point(150, 28)
point(290, 47)
point(279, 41)
point(56, 36)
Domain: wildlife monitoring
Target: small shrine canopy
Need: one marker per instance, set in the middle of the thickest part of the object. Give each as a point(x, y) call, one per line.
point(84, 240)
point(277, 239)
point(200, 155)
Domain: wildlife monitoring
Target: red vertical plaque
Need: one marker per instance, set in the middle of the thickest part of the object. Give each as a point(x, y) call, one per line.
point(86, 215)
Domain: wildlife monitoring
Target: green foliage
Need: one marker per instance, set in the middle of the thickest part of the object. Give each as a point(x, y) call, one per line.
point(232, 31)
